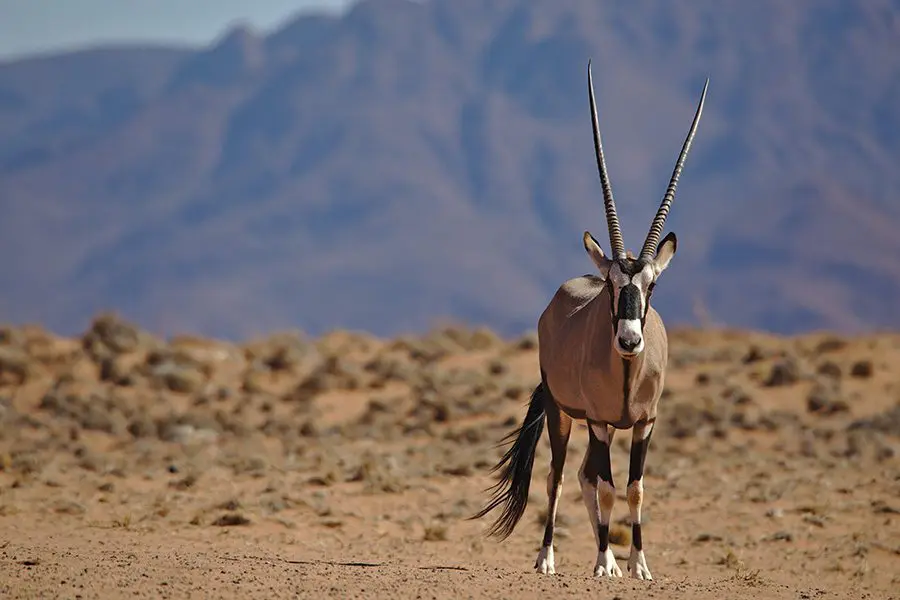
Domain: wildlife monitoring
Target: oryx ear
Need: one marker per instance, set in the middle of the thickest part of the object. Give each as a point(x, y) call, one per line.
point(664, 253)
point(596, 254)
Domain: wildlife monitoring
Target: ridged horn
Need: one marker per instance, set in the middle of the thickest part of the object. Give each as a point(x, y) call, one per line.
point(650, 244)
point(612, 219)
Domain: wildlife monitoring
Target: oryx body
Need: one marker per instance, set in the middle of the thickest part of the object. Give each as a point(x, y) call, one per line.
point(603, 357)
point(580, 364)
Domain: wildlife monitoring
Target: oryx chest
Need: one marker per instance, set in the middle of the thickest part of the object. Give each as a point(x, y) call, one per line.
point(620, 395)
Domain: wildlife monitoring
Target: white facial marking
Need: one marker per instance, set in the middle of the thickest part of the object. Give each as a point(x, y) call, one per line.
point(629, 330)
point(629, 335)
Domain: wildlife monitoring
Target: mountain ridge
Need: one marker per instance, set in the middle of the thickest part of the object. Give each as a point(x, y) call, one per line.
point(410, 162)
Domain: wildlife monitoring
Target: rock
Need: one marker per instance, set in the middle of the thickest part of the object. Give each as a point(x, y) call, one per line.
point(109, 334)
point(14, 365)
point(862, 369)
point(784, 372)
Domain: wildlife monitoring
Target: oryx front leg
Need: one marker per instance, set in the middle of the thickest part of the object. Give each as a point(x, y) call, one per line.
point(559, 426)
point(640, 440)
point(599, 494)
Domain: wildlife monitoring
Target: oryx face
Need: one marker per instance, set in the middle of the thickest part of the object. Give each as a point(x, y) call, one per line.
point(630, 282)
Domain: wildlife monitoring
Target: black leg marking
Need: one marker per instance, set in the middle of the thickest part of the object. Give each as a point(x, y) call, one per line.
point(603, 538)
point(639, 452)
point(548, 531)
point(636, 473)
point(636, 540)
point(598, 465)
point(638, 458)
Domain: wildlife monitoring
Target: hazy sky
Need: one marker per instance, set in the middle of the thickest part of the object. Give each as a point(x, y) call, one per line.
point(32, 26)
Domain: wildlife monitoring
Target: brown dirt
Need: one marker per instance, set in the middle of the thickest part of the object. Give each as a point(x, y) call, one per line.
point(346, 467)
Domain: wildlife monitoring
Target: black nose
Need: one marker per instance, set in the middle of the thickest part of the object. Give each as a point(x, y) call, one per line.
point(628, 345)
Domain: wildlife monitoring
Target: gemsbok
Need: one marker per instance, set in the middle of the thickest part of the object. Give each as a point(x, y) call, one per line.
point(603, 354)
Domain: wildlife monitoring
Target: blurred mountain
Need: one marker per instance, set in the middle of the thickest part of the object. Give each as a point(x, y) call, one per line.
point(411, 161)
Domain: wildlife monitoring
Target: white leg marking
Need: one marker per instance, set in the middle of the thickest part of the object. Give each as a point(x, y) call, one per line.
point(606, 565)
point(544, 563)
point(637, 565)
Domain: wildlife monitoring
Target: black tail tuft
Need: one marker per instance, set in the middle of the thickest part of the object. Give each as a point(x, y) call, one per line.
point(511, 489)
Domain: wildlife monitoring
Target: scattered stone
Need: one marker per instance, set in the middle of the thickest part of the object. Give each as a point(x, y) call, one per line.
point(825, 399)
point(831, 344)
point(436, 533)
point(231, 520)
point(862, 369)
point(829, 369)
point(527, 342)
point(784, 372)
point(754, 354)
point(14, 365)
point(886, 422)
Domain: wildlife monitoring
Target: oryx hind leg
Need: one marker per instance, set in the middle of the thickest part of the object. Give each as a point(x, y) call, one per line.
point(640, 441)
point(559, 426)
point(599, 494)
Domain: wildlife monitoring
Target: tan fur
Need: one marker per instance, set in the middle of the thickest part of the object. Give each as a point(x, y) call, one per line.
point(635, 494)
point(582, 369)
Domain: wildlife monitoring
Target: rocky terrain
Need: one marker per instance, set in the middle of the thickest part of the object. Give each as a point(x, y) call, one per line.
point(347, 465)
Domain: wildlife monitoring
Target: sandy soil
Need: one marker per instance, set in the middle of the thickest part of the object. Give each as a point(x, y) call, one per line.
point(347, 466)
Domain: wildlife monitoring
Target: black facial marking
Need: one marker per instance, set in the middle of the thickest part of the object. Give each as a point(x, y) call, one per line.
point(631, 266)
point(636, 540)
point(629, 302)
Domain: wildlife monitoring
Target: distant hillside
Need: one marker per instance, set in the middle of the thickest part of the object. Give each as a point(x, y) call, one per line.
point(413, 161)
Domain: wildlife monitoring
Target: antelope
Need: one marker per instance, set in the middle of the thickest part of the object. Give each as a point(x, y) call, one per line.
point(603, 353)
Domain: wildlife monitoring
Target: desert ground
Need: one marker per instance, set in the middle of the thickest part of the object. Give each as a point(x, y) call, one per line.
point(346, 467)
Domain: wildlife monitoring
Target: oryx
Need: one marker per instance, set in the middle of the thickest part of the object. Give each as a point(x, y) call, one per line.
point(603, 353)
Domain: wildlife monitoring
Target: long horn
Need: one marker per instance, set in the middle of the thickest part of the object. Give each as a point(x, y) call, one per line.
point(612, 219)
point(649, 249)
